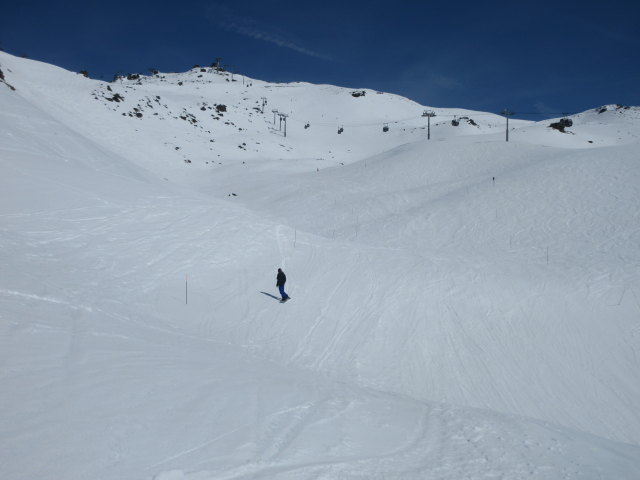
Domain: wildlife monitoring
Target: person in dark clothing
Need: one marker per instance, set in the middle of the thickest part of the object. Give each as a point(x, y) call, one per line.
point(280, 281)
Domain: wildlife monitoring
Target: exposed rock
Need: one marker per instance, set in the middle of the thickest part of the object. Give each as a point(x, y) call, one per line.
point(562, 124)
point(116, 98)
point(2, 79)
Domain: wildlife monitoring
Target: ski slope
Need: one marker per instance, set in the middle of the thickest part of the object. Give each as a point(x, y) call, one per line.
point(463, 307)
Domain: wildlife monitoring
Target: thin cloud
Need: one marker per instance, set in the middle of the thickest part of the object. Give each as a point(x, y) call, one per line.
point(229, 20)
point(617, 34)
point(427, 84)
point(441, 81)
point(261, 34)
point(544, 108)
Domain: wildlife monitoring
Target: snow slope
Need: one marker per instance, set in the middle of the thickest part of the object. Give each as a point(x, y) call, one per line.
point(462, 307)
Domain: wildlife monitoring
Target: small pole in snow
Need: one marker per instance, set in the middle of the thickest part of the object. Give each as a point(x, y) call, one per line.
point(274, 116)
point(186, 290)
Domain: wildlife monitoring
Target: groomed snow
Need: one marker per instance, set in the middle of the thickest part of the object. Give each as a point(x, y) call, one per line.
point(463, 307)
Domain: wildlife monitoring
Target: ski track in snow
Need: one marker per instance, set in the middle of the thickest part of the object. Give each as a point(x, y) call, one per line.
point(32, 296)
point(445, 325)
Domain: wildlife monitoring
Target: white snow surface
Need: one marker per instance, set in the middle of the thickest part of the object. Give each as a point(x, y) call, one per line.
point(463, 307)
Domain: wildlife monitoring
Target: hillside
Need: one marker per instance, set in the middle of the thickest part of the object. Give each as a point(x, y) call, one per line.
point(463, 307)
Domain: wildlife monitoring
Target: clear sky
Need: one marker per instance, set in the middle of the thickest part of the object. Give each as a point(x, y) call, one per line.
point(528, 56)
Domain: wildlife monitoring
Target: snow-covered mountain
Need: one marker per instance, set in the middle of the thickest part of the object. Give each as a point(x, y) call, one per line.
point(463, 307)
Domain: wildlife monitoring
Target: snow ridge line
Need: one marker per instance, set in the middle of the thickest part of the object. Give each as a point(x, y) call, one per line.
point(41, 298)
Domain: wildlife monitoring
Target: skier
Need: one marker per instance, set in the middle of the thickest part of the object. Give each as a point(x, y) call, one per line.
point(280, 281)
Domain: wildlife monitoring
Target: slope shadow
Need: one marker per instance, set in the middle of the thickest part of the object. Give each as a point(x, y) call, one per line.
point(272, 296)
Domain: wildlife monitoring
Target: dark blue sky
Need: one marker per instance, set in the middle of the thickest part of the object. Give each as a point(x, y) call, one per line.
point(528, 56)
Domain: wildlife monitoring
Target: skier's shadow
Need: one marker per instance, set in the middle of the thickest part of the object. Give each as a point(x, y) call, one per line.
point(269, 295)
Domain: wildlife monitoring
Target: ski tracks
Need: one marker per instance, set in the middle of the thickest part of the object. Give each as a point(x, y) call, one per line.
point(281, 240)
point(328, 329)
point(287, 431)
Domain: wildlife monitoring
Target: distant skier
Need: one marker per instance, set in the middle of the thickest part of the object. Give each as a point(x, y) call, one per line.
point(280, 281)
